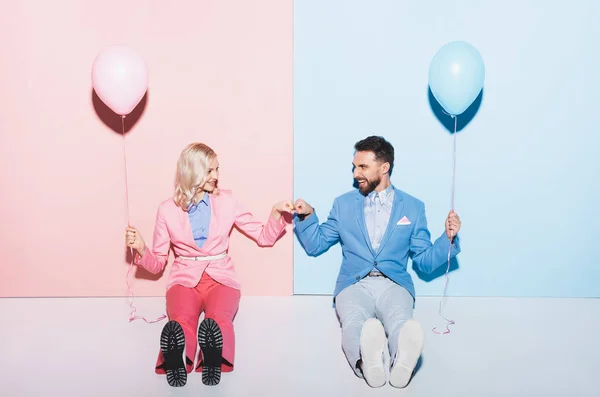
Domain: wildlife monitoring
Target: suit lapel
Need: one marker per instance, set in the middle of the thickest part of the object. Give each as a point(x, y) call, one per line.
point(212, 224)
point(186, 226)
point(397, 208)
point(359, 209)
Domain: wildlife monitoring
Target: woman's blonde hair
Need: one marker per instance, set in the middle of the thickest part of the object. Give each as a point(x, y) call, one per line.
point(192, 170)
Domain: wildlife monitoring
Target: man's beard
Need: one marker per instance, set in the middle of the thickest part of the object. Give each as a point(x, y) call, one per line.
point(370, 186)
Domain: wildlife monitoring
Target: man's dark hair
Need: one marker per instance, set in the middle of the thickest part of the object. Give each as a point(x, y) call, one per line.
point(383, 150)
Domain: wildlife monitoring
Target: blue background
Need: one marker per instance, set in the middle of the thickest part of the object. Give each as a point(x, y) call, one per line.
point(527, 189)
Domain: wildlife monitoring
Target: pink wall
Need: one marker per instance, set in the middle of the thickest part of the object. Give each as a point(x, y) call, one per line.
point(220, 72)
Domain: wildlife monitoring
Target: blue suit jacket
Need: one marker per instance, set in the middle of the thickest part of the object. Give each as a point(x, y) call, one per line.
point(346, 225)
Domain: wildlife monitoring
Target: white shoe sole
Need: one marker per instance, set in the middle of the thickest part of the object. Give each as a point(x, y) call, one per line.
point(372, 343)
point(411, 340)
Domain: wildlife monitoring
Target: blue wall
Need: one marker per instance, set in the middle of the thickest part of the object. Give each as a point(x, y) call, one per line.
point(528, 166)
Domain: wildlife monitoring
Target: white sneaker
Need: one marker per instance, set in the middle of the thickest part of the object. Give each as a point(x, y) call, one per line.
point(372, 343)
point(410, 346)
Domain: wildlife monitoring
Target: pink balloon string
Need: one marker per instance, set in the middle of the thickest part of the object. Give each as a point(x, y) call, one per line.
point(132, 315)
point(448, 321)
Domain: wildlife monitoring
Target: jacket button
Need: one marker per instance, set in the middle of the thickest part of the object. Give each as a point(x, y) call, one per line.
point(375, 263)
point(358, 277)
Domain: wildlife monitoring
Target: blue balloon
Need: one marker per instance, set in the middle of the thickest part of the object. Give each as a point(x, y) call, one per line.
point(456, 75)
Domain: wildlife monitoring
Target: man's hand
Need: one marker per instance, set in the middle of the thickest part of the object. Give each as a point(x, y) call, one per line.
point(302, 208)
point(452, 225)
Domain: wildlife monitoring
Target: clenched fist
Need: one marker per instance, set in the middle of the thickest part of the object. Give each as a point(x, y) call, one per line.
point(134, 240)
point(302, 208)
point(281, 207)
point(452, 225)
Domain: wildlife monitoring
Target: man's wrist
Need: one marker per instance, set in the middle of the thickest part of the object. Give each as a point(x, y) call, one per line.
point(304, 216)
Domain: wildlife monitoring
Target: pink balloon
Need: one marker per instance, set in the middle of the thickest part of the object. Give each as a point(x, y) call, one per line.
point(120, 78)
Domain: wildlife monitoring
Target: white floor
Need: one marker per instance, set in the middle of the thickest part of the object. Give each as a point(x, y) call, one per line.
point(290, 346)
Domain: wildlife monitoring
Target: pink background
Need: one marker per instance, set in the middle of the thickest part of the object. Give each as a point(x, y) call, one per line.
point(220, 73)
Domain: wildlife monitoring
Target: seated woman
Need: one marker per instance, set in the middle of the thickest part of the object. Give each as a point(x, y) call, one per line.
point(197, 222)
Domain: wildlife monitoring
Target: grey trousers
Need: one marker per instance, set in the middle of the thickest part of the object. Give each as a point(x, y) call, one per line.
point(377, 297)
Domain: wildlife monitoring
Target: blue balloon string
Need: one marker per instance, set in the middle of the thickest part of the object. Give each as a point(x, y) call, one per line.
point(448, 321)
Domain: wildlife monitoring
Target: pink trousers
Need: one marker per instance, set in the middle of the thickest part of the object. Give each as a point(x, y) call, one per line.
point(218, 302)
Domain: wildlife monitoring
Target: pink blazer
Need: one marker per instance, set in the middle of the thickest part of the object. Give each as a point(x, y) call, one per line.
point(173, 227)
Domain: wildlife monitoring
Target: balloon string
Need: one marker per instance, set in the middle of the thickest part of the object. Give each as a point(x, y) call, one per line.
point(132, 316)
point(125, 165)
point(448, 321)
point(454, 161)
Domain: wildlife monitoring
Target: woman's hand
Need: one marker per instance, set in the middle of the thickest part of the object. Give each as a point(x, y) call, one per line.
point(134, 240)
point(281, 207)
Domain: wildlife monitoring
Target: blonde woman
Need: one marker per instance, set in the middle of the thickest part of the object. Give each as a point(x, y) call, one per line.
point(197, 222)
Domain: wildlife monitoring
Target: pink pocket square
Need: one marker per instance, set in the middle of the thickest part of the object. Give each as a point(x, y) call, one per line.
point(403, 221)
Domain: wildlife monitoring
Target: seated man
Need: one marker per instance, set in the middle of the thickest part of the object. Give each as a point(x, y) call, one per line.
point(379, 228)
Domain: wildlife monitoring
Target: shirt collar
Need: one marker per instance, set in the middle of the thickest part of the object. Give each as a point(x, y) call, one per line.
point(384, 195)
point(204, 199)
point(193, 207)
